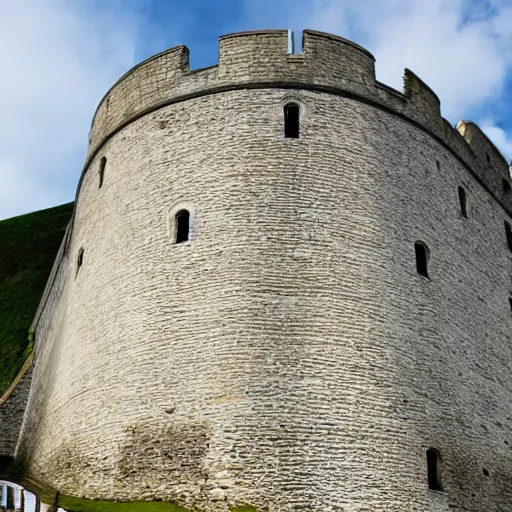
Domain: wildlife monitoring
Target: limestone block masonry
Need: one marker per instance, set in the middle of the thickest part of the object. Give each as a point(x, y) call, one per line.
point(288, 356)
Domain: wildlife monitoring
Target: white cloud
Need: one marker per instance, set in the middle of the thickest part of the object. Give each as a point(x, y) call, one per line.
point(499, 136)
point(57, 61)
point(463, 63)
point(60, 56)
point(460, 48)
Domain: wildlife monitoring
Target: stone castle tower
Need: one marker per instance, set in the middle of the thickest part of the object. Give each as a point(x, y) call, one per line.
point(285, 284)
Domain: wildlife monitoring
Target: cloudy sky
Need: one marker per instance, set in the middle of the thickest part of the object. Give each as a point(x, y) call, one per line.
point(60, 56)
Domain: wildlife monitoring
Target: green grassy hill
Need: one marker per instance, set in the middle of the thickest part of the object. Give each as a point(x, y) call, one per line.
point(28, 246)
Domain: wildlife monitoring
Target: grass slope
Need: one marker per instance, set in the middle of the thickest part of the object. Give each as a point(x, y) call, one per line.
point(82, 505)
point(28, 246)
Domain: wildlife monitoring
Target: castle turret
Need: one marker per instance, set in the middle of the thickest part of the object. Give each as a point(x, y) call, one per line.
point(285, 284)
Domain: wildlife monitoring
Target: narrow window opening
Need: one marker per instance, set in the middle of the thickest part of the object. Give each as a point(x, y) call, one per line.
point(463, 202)
point(79, 259)
point(510, 304)
point(422, 257)
point(485, 472)
point(433, 470)
point(101, 172)
point(488, 158)
point(506, 187)
point(182, 226)
point(438, 165)
point(291, 120)
point(508, 233)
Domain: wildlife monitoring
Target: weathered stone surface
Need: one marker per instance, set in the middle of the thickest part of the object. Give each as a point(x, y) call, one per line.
point(289, 356)
point(12, 409)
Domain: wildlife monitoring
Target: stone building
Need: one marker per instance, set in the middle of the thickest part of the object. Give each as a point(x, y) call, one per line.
point(286, 285)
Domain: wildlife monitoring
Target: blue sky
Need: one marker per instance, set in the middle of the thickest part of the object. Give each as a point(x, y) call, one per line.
point(60, 56)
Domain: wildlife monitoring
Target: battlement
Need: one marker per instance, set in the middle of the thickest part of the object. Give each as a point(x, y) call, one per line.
point(261, 59)
point(483, 148)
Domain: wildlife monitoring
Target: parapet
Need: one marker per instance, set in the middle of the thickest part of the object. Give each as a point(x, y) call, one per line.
point(326, 59)
point(483, 148)
point(260, 59)
point(494, 169)
point(422, 99)
point(145, 84)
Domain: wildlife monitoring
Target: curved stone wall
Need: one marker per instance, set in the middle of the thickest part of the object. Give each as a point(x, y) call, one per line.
point(255, 60)
point(289, 356)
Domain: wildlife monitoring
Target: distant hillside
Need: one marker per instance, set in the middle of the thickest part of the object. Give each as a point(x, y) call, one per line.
point(28, 246)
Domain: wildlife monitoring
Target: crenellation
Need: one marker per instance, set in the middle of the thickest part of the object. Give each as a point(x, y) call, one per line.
point(144, 85)
point(484, 149)
point(260, 58)
point(244, 58)
point(456, 142)
point(335, 61)
point(253, 56)
point(488, 162)
point(390, 93)
point(423, 104)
